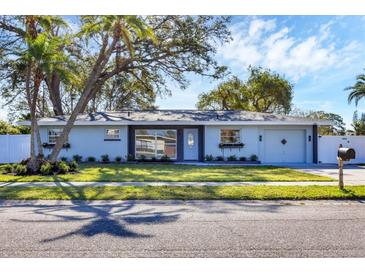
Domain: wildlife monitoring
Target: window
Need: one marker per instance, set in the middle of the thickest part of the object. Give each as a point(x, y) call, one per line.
point(230, 136)
point(155, 143)
point(190, 139)
point(53, 134)
point(112, 134)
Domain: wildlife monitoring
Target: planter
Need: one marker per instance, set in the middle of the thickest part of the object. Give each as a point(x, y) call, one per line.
point(47, 145)
point(237, 145)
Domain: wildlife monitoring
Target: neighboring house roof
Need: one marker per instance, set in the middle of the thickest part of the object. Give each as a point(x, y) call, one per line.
point(181, 117)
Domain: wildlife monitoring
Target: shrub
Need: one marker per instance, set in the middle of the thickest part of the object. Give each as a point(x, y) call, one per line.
point(243, 158)
point(130, 157)
point(77, 158)
point(118, 159)
point(20, 169)
point(209, 157)
point(142, 158)
point(62, 167)
point(232, 158)
point(165, 158)
point(153, 159)
point(253, 158)
point(105, 158)
point(73, 166)
point(64, 159)
point(91, 159)
point(219, 158)
point(46, 168)
point(8, 168)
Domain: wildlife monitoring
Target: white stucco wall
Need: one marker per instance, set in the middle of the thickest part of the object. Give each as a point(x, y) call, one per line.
point(250, 137)
point(89, 141)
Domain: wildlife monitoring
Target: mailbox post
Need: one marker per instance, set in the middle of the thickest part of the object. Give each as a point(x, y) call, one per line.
point(343, 154)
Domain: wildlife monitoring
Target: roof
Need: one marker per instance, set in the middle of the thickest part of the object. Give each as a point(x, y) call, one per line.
point(180, 117)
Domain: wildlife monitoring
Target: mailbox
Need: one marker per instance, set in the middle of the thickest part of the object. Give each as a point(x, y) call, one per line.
point(346, 154)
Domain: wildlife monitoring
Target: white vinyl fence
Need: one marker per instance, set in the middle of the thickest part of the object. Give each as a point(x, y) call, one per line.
point(328, 146)
point(14, 148)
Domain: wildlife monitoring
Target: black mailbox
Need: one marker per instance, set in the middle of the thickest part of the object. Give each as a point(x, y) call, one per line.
point(346, 154)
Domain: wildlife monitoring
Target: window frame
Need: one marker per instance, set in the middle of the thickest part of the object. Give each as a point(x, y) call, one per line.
point(108, 137)
point(60, 130)
point(238, 136)
point(155, 141)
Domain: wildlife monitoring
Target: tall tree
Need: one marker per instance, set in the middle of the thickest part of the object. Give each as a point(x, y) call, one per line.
point(35, 55)
point(357, 91)
point(358, 123)
point(263, 91)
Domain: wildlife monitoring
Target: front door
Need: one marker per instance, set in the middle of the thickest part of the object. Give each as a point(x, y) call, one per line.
point(191, 145)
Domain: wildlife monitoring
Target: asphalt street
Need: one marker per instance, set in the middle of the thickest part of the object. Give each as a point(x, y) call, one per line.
point(182, 229)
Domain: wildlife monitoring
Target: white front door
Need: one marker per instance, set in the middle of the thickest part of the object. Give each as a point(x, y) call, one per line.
point(191, 146)
point(284, 146)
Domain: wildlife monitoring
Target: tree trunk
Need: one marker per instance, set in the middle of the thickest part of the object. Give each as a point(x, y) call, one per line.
point(53, 84)
point(103, 58)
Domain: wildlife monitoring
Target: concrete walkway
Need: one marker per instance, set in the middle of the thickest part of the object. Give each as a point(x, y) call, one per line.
point(93, 184)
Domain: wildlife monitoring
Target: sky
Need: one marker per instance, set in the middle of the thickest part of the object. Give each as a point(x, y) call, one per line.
point(320, 55)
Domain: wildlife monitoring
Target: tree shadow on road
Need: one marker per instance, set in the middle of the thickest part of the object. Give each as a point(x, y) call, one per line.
point(115, 219)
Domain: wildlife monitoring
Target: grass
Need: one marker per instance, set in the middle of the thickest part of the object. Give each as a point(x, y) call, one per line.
point(172, 173)
point(182, 193)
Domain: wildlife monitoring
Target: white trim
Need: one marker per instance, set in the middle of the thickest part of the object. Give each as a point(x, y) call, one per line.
point(213, 123)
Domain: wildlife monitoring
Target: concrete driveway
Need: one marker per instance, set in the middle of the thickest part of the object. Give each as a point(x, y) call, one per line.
point(353, 174)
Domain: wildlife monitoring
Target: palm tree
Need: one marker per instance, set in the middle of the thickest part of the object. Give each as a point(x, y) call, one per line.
point(113, 32)
point(42, 55)
point(358, 90)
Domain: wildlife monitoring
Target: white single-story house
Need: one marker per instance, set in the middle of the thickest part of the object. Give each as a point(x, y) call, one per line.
point(187, 135)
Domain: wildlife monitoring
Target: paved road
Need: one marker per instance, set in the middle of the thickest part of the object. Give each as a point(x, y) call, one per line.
point(182, 229)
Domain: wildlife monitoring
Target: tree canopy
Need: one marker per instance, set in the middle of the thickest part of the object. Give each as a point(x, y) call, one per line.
point(138, 53)
point(263, 91)
point(357, 91)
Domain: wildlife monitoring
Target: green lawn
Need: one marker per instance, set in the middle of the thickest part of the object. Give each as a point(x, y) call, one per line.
point(182, 193)
point(172, 173)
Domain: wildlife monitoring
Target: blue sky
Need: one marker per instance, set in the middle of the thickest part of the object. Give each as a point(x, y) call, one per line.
point(320, 55)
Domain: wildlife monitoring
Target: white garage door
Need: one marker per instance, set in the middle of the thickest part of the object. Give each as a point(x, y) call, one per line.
point(284, 146)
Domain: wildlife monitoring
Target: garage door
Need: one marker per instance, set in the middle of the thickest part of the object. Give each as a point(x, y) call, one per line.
point(284, 146)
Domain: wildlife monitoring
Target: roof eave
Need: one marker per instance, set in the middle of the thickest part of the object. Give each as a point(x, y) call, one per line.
point(125, 123)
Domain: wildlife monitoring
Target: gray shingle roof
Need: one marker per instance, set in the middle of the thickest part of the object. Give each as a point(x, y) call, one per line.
point(181, 117)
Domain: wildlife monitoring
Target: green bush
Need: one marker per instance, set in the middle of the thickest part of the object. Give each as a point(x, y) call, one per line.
point(253, 158)
point(77, 158)
point(142, 158)
point(64, 159)
point(8, 168)
point(46, 168)
point(62, 167)
point(219, 158)
point(91, 159)
point(232, 158)
point(20, 169)
point(118, 159)
point(165, 158)
point(73, 166)
point(153, 159)
point(243, 159)
point(209, 158)
point(130, 157)
point(105, 158)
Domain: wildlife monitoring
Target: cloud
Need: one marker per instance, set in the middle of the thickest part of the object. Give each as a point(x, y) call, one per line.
point(263, 43)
